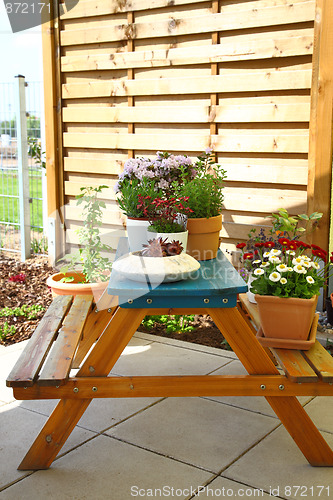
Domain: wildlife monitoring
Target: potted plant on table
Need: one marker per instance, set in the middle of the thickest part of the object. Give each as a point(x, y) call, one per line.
point(87, 271)
point(287, 277)
point(167, 218)
point(157, 178)
point(205, 194)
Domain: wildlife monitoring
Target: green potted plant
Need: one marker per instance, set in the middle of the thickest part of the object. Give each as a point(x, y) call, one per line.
point(86, 271)
point(137, 222)
point(205, 195)
point(167, 218)
point(159, 177)
point(287, 277)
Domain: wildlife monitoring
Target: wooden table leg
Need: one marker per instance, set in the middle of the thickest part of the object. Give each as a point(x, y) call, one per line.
point(67, 413)
point(288, 409)
point(95, 325)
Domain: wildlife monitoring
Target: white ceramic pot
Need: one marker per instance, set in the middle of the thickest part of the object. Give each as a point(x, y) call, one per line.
point(156, 269)
point(137, 233)
point(181, 237)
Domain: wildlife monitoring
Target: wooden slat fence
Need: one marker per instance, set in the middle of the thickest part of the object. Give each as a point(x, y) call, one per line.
point(133, 77)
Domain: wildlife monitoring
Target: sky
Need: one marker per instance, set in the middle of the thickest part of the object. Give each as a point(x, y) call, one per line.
point(20, 53)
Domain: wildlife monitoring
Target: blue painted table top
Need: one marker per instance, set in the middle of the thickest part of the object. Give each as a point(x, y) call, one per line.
point(216, 284)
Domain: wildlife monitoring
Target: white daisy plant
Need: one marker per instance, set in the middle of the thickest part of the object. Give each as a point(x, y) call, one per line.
point(288, 268)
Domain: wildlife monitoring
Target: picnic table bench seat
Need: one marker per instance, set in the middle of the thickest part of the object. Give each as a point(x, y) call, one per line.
point(52, 351)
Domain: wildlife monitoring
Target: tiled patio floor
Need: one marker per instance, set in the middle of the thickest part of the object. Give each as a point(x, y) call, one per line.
point(163, 447)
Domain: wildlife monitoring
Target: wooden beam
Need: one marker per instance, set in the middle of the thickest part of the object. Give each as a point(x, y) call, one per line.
point(53, 138)
point(321, 121)
point(175, 386)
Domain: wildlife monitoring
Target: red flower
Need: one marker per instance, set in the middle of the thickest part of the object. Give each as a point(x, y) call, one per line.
point(248, 256)
point(292, 245)
point(240, 245)
point(269, 244)
point(316, 247)
point(319, 253)
point(283, 241)
point(18, 278)
point(331, 259)
point(259, 244)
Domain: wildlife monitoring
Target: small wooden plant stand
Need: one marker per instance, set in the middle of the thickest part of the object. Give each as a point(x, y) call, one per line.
point(80, 334)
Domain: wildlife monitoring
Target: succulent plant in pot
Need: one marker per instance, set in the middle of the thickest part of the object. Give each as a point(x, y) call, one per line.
point(159, 261)
point(205, 195)
point(87, 270)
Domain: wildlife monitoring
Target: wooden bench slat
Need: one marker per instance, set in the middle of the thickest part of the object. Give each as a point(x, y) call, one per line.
point(27, 367)
point(295, 366)
point(58, 365)
point(251, 308)
point(321, 361)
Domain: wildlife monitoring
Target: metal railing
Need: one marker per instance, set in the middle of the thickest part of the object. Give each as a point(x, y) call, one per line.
point(22, 176)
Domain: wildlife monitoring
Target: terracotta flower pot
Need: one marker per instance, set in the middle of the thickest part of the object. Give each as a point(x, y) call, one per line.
point(286, 318)
point(204, 237)
point(75, 287)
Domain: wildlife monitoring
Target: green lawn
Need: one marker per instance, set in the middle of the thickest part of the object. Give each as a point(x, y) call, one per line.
point(9, 207)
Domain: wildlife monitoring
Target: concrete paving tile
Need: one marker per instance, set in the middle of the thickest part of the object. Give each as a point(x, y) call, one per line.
point(195, 430)
point(8, 360)
point(224, 488)
point(106, 468)
point(100, 414)
point(18, 430)
point(19, 346)
point(186, 345)
point(320, 410)
point(257, 404)
point(160, 359)
point(276, 463)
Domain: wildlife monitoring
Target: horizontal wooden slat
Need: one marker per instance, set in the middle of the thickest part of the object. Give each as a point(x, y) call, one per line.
point(246, 81)
point(321, 361)
point(295, 366)
point(58, 365)
point(273, 109)
point(90, 8)
point(263, 200)
point(32, 358)
point(289, 141)
point(73, 188)
point(268, 170)
point(113, 216)
point(108, 236)
point(97, 166)
point(267, 16)
point(284, 44)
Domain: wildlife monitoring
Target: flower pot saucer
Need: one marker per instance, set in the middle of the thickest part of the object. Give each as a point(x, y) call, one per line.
point(303, 345)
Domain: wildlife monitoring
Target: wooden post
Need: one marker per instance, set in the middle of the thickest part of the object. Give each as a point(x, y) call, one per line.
point(320, 147)
point(54, 169)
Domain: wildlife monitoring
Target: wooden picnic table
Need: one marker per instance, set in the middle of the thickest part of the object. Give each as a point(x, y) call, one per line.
point(72, 328)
